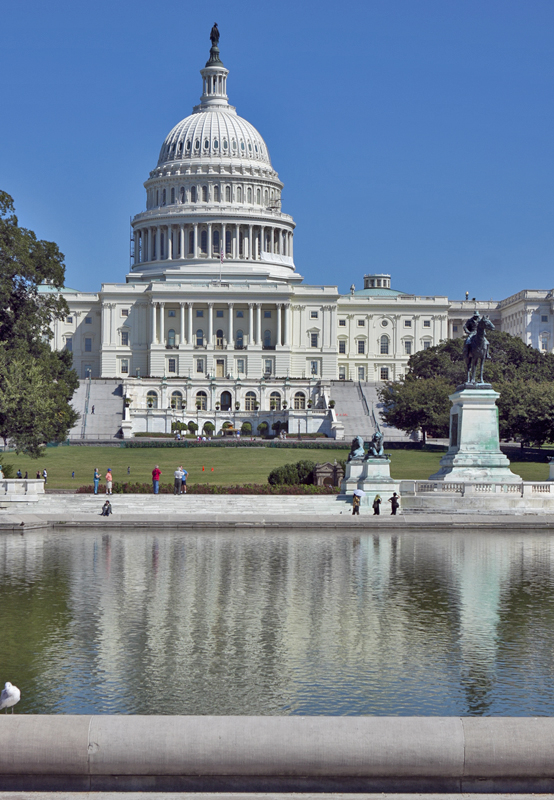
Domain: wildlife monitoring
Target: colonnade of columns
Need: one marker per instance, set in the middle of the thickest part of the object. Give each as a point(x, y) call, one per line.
point(204, 240)
point(187, 335)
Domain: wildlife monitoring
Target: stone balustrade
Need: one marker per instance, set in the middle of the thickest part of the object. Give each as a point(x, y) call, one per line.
point(21, 490)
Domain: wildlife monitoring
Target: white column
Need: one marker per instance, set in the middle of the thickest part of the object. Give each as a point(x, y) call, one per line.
point(291, 245)
point(230, 333)
point(223, 233)
point(251, 338)
point(154, 324)
point(272, 246)
point(250, 253)
point(195, 227)
point(162, 323)
point(182, 240)
point(182, 326)
point(279, 312)
point(189, 324)
point(262, 231)
point(237, 242)
point(210, 323)
point(169, 242)
point(152, 238)
point(137, 248)
point(210, 243)
point(287, 324)
point(258, 323)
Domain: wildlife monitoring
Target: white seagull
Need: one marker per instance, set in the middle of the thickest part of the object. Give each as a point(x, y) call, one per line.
point(9, 697)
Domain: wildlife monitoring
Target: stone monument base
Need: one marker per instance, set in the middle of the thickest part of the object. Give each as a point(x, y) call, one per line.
point(474, 453)
point(370, 475)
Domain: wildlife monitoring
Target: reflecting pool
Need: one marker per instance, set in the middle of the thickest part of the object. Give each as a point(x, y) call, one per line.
point(264, 623)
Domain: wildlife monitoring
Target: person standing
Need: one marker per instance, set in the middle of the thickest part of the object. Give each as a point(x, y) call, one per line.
point(184, 474)
point(177, 475)
point(356, 505)
point(156, 472)
point(45, 476)
point(96, 479)
point(18, 474)
point(109, 479)
point(394, 504)
point(92, 412)
point(376, 506)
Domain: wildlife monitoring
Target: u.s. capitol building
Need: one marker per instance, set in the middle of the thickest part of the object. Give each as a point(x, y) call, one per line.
point(213, 314)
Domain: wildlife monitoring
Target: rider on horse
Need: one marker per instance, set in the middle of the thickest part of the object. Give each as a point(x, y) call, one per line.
point(476, 346)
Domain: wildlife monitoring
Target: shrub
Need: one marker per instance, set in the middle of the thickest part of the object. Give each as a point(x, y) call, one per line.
point(207, 488)
point(297, 474)
point(246, 429)
point(8, 470)
point(192, 426)
point(208, 428)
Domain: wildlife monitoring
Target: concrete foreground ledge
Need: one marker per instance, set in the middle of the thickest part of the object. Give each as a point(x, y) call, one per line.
point(263, 796)
point(276, 754)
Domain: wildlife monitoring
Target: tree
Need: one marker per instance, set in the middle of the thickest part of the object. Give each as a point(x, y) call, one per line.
point(526, 411)
point(263, 428)
point(192, 426)
point(246, 429)
point(36, 384)
point(208, 428)
point(418, 404)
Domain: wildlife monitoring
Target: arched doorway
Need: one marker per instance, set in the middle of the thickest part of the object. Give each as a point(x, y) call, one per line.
point(225, 401)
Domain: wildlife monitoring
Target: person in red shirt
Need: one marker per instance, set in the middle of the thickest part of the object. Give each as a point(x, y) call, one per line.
point(156, 472)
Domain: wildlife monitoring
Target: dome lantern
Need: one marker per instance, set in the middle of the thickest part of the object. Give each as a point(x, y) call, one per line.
point(214, 76)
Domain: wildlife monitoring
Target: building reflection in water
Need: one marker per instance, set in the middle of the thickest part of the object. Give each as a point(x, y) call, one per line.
point(312, 623)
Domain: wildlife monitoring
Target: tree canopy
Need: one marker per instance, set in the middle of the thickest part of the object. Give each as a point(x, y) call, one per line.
point(522, 375)
point(36, 383)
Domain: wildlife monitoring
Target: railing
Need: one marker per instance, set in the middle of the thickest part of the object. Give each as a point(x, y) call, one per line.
point(363, 399)
point(87, 398)
point(523, 488)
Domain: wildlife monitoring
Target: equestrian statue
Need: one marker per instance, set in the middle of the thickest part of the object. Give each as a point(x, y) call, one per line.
point(476, 346)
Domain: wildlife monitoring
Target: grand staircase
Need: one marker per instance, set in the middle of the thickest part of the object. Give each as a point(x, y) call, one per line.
point(356, 403)
point(106, 396)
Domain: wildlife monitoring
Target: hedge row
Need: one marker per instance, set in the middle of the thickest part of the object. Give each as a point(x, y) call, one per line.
point(286, 444)
point(206, 488)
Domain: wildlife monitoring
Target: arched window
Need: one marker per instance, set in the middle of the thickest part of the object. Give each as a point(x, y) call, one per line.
point(267, 338)
point(384, 345)
point(258, 196)
point(249, 195)
point(151, 399)
point(266, 197)
point(199, 337)
point(225, 401)
point(182, 194)
point(157, 197)
point(177, 400)
point(219, 338)
point(163, 197)
point(204, 194)
point(228, 194)
point(204, 241)
point(172, 195)
point(191, 242)
point(216, 194)
point(239, 340)
point(201, 401)
point(171, 338)
point(239, 194)
point(228, 242)
point(216, 243)
point(275, 401)
point(250, 401)
point(299, 401)
point(193, 194)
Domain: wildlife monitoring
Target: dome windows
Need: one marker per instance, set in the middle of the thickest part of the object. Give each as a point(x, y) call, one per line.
point(188, 146)
point(206, 144)
point(182, 194)
point(173, 196)
point(204, 194)
point(216, 194)
point(256, 148)
point(227, 194)
point(225, 144)
point(197, 144)
point(193, 194)
point(234, 144)
point(242, 146)
point(249, 195)
point(216, 144)
point(258, 196)
point(239, 194)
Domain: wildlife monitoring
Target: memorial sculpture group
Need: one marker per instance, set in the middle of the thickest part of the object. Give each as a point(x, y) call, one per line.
point(473, 455)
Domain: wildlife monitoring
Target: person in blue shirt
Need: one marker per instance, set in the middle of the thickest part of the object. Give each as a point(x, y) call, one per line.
point(184, 474)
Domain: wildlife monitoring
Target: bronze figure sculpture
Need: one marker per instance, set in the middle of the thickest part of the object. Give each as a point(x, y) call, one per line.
point(476, 346)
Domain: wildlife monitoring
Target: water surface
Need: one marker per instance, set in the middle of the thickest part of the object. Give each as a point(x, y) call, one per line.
point(265, 623)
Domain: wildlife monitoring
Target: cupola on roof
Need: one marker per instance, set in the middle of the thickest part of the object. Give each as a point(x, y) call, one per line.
point(214, 129)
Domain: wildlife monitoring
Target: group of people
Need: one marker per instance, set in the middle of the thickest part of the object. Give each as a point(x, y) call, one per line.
point(179, 480)
point(108, 479)
point(394, 505)
point(19, 474)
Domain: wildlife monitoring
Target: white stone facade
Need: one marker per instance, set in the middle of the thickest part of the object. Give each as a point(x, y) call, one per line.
point(213, 307)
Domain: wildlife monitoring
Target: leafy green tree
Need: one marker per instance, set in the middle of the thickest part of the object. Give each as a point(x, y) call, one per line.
point(526, 411)
point(192, 426)
point(418, 404)
point(208, 428)
point(246, 429)
point(36, 384)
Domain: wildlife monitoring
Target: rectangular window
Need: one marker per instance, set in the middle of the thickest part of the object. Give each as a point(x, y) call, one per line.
point(314, 368)
point(544, 318)
point(69, 320)
point(426, 345)
point(361, 373)
point(267, 314)
point(314, 314)
point(426, 323)
point(407, 323)
point(171, 365)
point(268, 366)
point(88, 320)
point(342, 346)
point(124, 338)
point(200, 365)
point(240, 314)
point(69, 345)
point(171, 312)
point(361, 346)
point(384, 373)
point(219, 312)
point(342, 323)
point(125, 366)
point(342, 373)
point(408, 348)
point(240, 365)
point(124, 312)
point(361, 323)
point(199, 312)
point(313, 339)
point(455, 329)
point(88, 345)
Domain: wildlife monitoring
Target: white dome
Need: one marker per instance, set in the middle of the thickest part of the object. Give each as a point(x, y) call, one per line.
point(213, 132)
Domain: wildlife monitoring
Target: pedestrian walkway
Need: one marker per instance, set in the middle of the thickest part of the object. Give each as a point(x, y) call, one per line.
point(106, 397)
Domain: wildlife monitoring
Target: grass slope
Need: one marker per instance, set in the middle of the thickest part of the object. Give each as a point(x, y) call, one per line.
point(230, 465)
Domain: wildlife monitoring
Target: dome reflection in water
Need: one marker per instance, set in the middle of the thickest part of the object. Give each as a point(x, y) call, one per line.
point(300, 623)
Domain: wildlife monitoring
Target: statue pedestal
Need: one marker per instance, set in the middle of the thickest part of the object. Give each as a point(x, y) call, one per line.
point(474, 453)
point(352, 476)
point(370, 475)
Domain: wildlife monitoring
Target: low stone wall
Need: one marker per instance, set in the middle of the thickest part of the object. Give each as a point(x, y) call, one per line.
point(17, 490)
point(268, 754)
point(470, 496)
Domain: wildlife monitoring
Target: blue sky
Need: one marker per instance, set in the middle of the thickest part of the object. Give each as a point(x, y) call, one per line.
point(413, 137)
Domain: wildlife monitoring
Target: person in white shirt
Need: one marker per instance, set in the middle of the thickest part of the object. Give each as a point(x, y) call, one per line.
point(177, 482)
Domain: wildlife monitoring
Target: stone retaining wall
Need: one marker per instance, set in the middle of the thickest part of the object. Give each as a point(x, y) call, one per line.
point(264, 754)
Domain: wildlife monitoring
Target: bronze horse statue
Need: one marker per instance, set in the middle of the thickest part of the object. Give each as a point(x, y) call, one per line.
point(476, 348)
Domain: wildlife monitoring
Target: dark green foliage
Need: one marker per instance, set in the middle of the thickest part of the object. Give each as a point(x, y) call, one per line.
point(293, 474)
point(246, 429)
point(208, 428)
point(208, 488)
point(192, 426)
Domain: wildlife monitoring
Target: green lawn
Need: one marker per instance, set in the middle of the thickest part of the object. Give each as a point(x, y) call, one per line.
point(231, 465)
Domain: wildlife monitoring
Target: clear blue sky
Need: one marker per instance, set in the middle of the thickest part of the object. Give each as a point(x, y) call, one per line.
point(413, 136)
